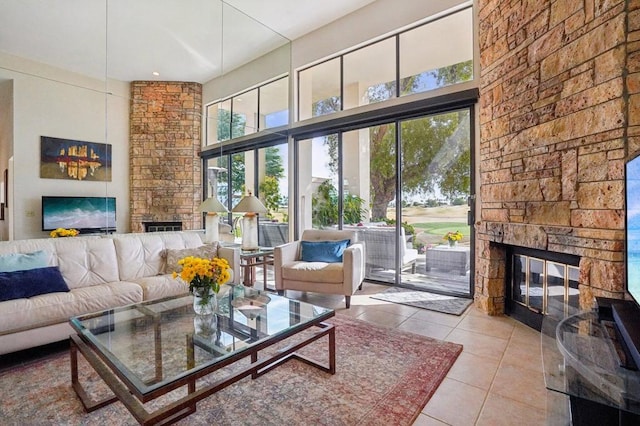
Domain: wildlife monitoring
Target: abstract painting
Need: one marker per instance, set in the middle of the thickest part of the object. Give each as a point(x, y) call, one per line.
point(75, 160)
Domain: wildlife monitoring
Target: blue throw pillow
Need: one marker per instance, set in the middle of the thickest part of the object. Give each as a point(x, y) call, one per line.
point(32, 282)
point(23, 261)
point(323, 251)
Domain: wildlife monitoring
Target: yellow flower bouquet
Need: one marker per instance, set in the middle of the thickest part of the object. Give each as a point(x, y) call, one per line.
point(62, 232)
point(203, 274)
point(452, 237)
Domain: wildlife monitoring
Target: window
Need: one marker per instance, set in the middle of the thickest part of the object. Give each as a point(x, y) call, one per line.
point(370, 74)
point(319, 89)
point(274, 104)
point(433, 55)
point(244, 117)
point(249, 112)
point(426, 63)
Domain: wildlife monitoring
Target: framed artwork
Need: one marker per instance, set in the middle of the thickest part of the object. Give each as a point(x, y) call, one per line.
point(75, 160)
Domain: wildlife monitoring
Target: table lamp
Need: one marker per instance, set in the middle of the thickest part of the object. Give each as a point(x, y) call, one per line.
point(212, 207)
point(251, 206)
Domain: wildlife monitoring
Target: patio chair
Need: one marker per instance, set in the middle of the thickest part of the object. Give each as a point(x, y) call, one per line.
point(341, 275)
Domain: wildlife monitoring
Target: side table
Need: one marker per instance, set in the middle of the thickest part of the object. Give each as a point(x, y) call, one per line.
point(249, 260)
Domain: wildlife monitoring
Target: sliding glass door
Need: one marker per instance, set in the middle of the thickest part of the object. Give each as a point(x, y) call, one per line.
point(403, 187)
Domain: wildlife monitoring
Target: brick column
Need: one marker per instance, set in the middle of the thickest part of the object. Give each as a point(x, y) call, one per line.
point(166, 176)
point(553, 133)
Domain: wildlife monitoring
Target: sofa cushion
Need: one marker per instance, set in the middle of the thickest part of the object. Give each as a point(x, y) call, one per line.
point(172, 256)
point(55, 308)
point(23, 261)
point(86, 261)
point(323, 251)
point(140, 255)
point(308, 271)
point(31, 282)
point(160, 286)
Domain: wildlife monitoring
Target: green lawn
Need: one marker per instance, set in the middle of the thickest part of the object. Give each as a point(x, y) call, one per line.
point(441, 228)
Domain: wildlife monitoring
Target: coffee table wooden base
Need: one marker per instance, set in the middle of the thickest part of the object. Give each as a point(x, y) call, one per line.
point(187, 404)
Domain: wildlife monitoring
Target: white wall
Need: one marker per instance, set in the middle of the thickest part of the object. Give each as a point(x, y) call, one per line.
point(6, 143)
point(52, 102)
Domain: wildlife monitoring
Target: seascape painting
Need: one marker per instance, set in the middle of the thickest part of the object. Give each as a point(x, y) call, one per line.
point(75, 160)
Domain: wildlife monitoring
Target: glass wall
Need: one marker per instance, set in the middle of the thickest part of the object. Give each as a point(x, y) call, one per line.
point(412, 61)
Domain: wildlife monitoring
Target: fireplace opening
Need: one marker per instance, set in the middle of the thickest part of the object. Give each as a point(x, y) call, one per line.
point(539, 281)
point(162, 226)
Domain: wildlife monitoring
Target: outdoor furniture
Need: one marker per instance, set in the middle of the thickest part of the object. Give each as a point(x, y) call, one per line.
point(380, 243)
point(271, 234)
point(146, 350)
point(447, 258)
point(292, 273)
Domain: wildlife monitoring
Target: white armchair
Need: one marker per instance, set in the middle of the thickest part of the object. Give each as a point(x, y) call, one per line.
point(292, 273)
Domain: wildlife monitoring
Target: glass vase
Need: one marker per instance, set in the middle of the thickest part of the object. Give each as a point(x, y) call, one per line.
point(452, 243)
point(204, 301)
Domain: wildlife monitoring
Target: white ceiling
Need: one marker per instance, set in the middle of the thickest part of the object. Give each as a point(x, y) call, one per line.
point(187, 40)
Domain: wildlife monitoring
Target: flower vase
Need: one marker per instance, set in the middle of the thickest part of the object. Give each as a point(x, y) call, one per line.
point(204, 301)
point(453, 243)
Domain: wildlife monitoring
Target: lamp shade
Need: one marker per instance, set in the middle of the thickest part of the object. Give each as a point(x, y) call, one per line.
point(250, 204)
point(212, 204)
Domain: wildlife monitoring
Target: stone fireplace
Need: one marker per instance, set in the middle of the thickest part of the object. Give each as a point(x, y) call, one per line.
point(559, 115)
point(166, 176)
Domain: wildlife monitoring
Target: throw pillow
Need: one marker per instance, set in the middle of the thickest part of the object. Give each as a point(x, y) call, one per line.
point(23, 261)
point(173, 255)
point(31, 282)
point(323, 251)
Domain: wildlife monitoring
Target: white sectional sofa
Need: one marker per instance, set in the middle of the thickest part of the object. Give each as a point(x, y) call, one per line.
point(101, 272)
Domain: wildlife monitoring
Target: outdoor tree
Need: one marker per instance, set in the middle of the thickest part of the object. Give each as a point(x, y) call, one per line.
point(435, 149)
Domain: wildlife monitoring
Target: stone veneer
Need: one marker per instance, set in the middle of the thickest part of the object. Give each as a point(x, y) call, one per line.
point(559, 115)
point(165, 140)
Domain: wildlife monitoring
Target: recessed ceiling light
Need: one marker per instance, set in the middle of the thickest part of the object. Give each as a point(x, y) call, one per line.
point(238, 99)
point(156, 73)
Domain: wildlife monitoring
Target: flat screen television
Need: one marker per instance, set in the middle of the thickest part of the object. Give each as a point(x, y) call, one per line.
point(633, 228)
point(86, 214)
point(627, 315)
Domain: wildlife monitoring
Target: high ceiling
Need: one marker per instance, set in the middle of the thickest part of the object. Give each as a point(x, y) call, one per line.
point(188, 40)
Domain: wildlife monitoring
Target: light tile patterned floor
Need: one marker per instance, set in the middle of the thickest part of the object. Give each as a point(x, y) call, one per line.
point(497, 380)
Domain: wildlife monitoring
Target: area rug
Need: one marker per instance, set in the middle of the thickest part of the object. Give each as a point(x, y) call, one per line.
point(422, 299)
point(383, 377)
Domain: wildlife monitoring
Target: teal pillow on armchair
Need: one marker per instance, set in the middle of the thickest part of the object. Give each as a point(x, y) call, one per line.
point(323, 251)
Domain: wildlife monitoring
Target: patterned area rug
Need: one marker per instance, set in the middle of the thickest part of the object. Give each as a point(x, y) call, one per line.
point(383, 377)
point(422, 299)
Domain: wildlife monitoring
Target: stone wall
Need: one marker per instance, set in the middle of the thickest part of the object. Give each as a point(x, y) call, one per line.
point(560, 86)
point(166, 171)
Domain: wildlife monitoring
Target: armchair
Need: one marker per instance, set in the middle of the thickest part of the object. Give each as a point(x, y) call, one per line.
point(293, 273)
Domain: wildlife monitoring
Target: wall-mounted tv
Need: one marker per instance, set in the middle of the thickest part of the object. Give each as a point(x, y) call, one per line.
point(86, 214)
point(633, 227)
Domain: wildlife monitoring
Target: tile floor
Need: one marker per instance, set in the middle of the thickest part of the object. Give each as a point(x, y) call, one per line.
point(496, 380)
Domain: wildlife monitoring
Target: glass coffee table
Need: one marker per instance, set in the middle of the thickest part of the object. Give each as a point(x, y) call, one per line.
point(146, 350)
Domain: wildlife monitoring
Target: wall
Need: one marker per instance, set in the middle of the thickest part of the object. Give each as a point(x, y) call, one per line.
point(52, 102)
point(553, 137)
point(166, 136)
point(6, 141)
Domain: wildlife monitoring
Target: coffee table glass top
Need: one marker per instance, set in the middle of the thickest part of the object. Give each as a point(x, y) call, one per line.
point(155, 343)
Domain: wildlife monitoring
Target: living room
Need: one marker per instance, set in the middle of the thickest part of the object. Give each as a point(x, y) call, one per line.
point(550, 134)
